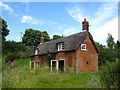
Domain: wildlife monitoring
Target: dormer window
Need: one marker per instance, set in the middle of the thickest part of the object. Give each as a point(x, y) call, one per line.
point(36, 51)
point(60, 46)
point(83, 47)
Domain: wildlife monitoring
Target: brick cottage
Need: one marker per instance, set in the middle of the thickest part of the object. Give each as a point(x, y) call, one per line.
point(78, 51)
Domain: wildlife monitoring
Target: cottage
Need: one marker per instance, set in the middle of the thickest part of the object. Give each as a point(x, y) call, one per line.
point(77, 50)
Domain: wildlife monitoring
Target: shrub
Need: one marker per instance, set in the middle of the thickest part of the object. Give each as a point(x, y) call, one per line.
point(26, 53)
point(109, 75)
point(69, 70)
point(12, 57)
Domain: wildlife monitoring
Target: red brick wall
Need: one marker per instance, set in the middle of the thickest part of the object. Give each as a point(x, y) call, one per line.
point(90, 56)
point(41, 59)
point(69, 57)
point(35, 58)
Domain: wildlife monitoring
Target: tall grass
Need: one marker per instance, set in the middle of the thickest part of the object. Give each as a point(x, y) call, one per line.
point(109, 75)
point(23, 77)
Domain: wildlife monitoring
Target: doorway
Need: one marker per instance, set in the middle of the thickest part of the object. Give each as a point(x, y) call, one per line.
point(54, 64)
point(61, 65)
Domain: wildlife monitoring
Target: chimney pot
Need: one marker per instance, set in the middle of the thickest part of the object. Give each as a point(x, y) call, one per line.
point(41, 39)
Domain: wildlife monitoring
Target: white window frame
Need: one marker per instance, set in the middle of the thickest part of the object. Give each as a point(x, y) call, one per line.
point(35, 65)
point(57, 63)
point(60, 46)
point(36, 51)
point(38, 64)
point(84, 48)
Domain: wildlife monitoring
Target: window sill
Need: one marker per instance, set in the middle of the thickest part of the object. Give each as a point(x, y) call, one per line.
point(83, 50)
point(60, 50)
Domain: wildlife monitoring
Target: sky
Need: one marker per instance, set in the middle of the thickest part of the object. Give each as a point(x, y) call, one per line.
point(61, 18)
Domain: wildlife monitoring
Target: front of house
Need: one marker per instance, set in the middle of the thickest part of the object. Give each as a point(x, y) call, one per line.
point(77, 51)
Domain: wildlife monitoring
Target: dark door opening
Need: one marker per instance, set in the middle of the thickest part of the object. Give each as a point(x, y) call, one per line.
point(61, 65)
point(54, 64)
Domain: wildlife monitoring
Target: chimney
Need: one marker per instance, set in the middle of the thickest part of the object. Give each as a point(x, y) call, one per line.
point(41, 39)
point(85, 25)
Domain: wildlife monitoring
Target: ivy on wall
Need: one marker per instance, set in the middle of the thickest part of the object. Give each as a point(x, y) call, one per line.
point(49, 57)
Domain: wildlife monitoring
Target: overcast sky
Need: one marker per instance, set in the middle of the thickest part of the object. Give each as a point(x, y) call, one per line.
point(61, 18)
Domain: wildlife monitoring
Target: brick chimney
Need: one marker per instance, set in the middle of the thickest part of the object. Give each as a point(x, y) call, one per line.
point(85, 25)
point(41, 39)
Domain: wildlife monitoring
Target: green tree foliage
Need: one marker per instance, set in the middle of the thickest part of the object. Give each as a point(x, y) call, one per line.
point(26, 53)
point(49, 57)
point(118, 49)
point(56, 37)
point(109, 52)
point(15, 50)
point(46, 36)
point(32, 37)
point(102, 53)
point(12, 47)
point(110, 41)
point(3, 27)
point(11, 57)
point(111, 48)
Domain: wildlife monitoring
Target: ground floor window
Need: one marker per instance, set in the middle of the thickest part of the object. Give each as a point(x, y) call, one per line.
point(34, 64)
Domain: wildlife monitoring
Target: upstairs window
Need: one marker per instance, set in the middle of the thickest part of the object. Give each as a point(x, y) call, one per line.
point(36, 51)
point(83, 47)
point(60, 46)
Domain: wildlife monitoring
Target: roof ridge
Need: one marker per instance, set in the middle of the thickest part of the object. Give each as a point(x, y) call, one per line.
point(71, 43)
point(63, 37)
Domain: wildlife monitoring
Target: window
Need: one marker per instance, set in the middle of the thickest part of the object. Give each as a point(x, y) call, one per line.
point(60, 46)
point(36, 51)
point(83, 47)
point(34, 64)
point(87, 62)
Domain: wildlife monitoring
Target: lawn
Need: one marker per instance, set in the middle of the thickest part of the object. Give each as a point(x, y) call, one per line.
point(23, 77)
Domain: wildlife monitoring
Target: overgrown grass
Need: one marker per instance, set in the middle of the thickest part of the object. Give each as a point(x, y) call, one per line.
point(23, 77)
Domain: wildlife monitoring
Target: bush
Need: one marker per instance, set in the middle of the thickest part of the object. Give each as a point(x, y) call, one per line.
point(12, 57)
point(109, 75)
point(26, 53)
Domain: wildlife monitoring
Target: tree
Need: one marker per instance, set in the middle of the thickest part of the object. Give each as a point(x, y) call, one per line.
point(109, 53)
point(56, 37)
point(3, 27)
point(11, 57)
point(102, 53)
point(46, 36)
point(110, 41)
point(32, 37)
point(12, 47)
point(118, 49)
point(118, 44)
